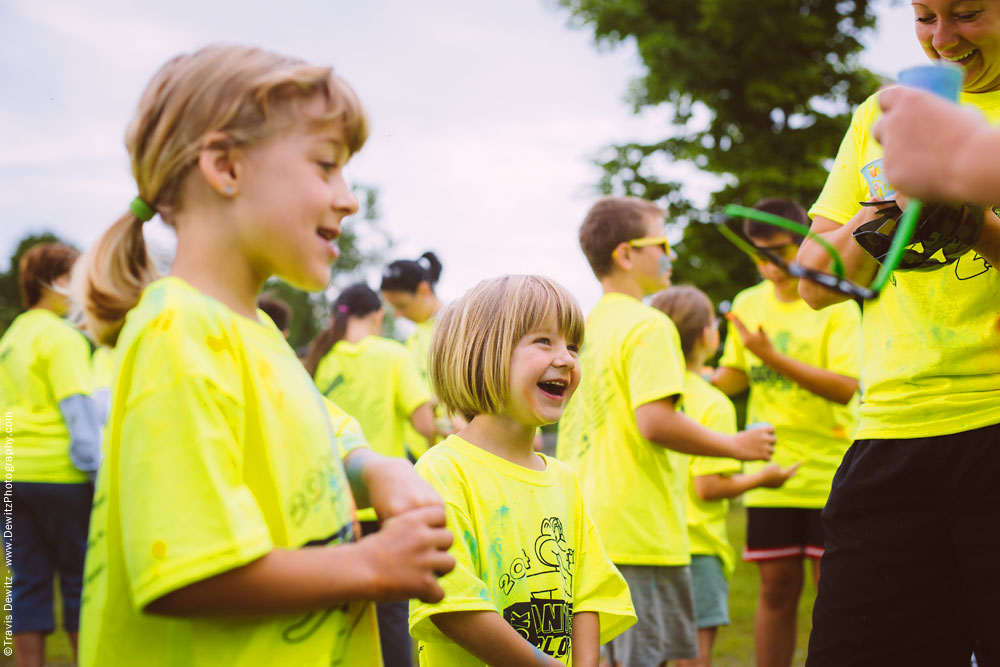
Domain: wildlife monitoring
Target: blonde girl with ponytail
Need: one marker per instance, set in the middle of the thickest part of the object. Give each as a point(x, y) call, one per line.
point(223, 528)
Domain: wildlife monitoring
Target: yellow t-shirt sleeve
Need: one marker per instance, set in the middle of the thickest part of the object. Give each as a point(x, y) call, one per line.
point(463, 589)
point(601, 587)
point(720, 417)
point(733, 354)
point(840, 197)
point(653, 362)
point(843, 344)
point(346, 429)
point(186, 513)
point(412, 391)
point(69, 365)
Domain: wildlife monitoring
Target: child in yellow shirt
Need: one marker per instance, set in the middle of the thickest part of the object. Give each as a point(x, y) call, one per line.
point(223, 524)
point(712, 481)
point(533, 583)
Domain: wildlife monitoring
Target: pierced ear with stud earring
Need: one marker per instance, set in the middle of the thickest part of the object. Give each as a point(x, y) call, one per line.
point(228, 191)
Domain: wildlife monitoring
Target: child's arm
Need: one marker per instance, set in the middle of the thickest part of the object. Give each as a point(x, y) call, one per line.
point(423, 422)
point(718, 487)
point(401, 561)
point(661, 423)
point(730, 381)
point(586, 639)
point(487, 636)
point(388, 484)
point(825, 384)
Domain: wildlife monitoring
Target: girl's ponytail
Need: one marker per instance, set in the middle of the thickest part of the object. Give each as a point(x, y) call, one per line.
point(115, 270)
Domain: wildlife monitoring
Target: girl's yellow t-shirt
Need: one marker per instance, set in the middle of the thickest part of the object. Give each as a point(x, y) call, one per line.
point(43, 360)
point(218, 449)
point(809, 428)
point(929, 361)
point(706, 519)
point(524, 548)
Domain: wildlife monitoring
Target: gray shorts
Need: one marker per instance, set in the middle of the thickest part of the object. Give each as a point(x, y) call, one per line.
point(664, 605)
point(711, 591)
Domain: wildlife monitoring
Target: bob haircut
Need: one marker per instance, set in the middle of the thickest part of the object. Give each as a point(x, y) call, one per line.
point(475, 336)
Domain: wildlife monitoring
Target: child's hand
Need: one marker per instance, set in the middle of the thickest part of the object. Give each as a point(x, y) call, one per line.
point(394, 487)
point(773, 477)
point(757, 342)
point(408, 554)
point(756, 444)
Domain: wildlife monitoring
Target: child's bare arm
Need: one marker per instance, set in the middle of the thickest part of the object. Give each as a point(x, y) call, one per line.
point(423, 422)
point(388, 484)
point(661, 423)
point(401, 561)
point(586, 639)
point(730, 381)
point(824, 383)
point(719, 487)
point(487, 636)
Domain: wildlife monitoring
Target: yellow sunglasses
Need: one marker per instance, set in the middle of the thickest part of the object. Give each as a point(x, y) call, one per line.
point(659, 240)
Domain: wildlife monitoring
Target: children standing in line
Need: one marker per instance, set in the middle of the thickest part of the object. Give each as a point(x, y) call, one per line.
point(626, 438)
point(712, 480)
point(222, 531)
point(533, 583)
point(801, 367)
point(408, 286)
point(375, 380)
point(53, 432)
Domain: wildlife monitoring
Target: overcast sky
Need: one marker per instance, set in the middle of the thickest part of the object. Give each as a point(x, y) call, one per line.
point(485, 115)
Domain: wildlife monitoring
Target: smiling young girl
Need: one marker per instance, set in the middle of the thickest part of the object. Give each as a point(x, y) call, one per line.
point(222, 530)
point(532, 584)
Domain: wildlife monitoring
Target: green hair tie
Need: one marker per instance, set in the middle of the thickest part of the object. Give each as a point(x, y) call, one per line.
point(141, 209)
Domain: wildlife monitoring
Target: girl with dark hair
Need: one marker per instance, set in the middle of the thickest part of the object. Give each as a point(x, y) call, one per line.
point(408, 286)
point(375, 380)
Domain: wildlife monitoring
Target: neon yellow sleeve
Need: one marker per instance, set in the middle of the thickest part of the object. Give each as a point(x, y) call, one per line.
point(346, 429)
point(69, 364)
point(840, 197)
point(843, 342)
point(732, 352)
point(186, 513)
point(653, 362)
point(463, 589)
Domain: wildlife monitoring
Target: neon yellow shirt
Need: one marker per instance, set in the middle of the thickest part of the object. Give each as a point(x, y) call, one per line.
point(376, 382)
point(419, 345)
point(524, 548)
point(43, 360)
point(218, 449)
point(929, 361)
point(810, 429)
point(631, 356)
point(102, 366)
point(706, 519)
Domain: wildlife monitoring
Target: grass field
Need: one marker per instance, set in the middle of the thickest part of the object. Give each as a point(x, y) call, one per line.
point(733, 648)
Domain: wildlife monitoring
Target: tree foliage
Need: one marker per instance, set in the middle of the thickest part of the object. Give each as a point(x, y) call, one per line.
point(759, 94)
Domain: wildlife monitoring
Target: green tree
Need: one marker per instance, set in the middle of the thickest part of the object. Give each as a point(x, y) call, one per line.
point(759, 94)
point(363, 246)
point(10, 295)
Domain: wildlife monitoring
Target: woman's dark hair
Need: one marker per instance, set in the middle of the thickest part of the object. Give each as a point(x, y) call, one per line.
point(786, 208)
point(404, 275)
point(356, 300)
point(40, 267)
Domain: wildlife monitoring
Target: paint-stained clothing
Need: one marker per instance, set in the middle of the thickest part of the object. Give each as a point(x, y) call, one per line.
point(930, 362)
point(219, 449)
point(809, 428)
point(524, 548)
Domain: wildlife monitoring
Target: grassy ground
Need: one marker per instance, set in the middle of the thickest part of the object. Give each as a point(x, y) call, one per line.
point(733, 648)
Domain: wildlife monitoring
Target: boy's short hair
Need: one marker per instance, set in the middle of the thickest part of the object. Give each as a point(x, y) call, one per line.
point(475, 336)
point(689, 308)
point(39, 268)
point(279, 311)
point(786, 208)
point(609, 222)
